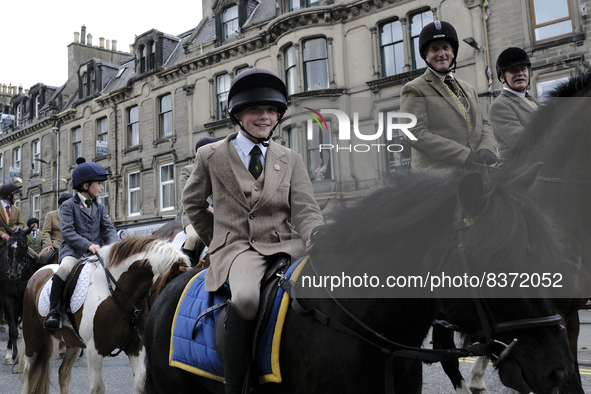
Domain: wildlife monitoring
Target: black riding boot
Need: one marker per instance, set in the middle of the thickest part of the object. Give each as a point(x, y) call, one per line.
point(237, 349)
point(53, 319)
point(190, 254)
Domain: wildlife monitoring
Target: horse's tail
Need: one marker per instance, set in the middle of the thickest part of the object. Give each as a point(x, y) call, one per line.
point(35, 371)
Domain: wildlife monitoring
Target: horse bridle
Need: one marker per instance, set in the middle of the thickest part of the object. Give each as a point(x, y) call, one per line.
point(134, 316)
point(19, 263)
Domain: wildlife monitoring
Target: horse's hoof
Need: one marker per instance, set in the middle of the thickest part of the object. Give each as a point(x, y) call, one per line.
point(8, 361)
point(475, 390)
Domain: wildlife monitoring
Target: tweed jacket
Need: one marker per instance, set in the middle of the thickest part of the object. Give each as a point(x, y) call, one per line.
point(16, 219)
point(36, 243)
point(508, 115)
point(185, 174)
point(52, 236)
point(236, 227)
point(444, 140)
point(80, 229)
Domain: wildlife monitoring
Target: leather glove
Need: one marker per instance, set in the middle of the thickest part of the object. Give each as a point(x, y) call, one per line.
point(471, 160)
point(488, 157)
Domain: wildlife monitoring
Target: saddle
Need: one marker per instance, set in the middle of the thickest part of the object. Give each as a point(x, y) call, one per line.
point(269, 287)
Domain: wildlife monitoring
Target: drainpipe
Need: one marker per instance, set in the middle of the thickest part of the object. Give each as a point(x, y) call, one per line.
point(56, 128)
point(488, 70)
point(114, 107)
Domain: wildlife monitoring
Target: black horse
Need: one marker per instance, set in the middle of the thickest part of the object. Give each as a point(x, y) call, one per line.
point(16, 267)
point(406, 224)
point(559, 135)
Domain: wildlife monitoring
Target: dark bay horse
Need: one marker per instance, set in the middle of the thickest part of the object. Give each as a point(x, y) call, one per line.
point(408, 224)
point(106, 321)
point(16, 267)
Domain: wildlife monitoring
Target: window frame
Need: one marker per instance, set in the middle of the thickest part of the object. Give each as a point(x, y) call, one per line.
point(17, 157)
point(36, 200)
point(290, 69)
point(100, 134)
point(152, 55)
point(312, 164)
point(165, 117)
point(131, 190)
point(36, 154)
point(104, 197)
point(535, 25)
point(133, 127)
point(168, 185)
point(218, 95)
point(142, 50)
point(412, 39)
point(314, 60)
point(76, 144)
point(233, 21)
point(393, 44)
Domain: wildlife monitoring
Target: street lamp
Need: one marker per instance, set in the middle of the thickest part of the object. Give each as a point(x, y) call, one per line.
point(472, 42)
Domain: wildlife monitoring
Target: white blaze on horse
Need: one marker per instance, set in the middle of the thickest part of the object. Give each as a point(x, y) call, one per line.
point(111, 316)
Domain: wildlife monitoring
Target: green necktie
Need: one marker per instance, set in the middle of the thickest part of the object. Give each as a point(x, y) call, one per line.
point(255, 167)
point(453, 86)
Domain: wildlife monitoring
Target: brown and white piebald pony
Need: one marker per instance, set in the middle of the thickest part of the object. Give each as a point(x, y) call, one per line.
point(106, 321)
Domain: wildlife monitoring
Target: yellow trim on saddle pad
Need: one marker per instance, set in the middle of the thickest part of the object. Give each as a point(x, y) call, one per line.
point(275, 377)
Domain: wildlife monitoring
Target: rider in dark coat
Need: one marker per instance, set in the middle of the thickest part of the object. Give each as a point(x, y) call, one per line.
point(85, 227)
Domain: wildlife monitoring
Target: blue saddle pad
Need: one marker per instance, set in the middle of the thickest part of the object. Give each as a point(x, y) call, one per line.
point(198, 355)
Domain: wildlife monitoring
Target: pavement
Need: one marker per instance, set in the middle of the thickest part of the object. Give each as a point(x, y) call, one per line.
point(584, 345)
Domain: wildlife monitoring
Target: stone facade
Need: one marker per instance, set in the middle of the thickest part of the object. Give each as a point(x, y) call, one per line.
point(158, 100)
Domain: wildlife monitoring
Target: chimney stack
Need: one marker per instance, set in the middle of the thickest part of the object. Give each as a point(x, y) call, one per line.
point(108, 45)
point(114, 45)
point(89, 39)
point(76, 36)
point(83, 34)
point(20, 88)
point(102, 42)
point(3, 88)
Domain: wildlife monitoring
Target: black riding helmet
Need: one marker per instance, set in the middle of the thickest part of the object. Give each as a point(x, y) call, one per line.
point(8, 190)
point(511, 57)
point(435, 31)
point(257, 86)
point(64, 197)
point(31, 221)
point(87, 172)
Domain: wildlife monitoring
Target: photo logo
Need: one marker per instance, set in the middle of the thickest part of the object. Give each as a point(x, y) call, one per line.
point(345, 129)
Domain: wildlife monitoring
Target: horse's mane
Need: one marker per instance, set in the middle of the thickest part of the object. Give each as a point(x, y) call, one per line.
point(537, 131)
point(120, 251)
point(160, 254)
point(414, 214)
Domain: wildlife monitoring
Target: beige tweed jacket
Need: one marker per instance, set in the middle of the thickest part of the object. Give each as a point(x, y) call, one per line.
point(236, 227)
point(444, 135)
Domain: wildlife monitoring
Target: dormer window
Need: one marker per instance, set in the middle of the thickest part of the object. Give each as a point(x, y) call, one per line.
point(92, 81)
point(230, 26)
point(37, 105)
point(295, 5)
point(152, 58)
point(85, 84)
point(142, 59)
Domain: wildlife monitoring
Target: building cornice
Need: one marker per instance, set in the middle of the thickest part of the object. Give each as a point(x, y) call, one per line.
point(115, 97)
point(277, 27)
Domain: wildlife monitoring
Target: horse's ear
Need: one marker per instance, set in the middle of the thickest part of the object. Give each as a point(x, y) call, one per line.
point(525, 180)
point(28, 231)
point(8, 229)
point(471, 193)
